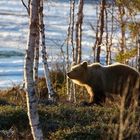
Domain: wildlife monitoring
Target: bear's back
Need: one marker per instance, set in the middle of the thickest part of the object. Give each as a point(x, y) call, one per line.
point(119, 76)
point(121, 69)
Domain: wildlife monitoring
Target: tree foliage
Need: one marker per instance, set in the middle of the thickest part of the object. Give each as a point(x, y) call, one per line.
point(131, 5)
point(123, 57)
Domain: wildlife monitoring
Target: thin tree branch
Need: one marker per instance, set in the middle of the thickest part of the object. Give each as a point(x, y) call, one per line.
point(27, 7)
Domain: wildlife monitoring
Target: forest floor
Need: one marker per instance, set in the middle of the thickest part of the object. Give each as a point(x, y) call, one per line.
point(66, 121)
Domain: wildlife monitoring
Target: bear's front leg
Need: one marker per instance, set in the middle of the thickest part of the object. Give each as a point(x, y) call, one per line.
point(91, 96)
point(99, 97)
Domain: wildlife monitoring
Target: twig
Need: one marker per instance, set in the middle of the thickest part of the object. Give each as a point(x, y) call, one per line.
point(27, 7)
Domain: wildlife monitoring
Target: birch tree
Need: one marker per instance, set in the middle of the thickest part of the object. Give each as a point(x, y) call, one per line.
point(52, 95)
point(138, 54)
point(107, 39)
point(36, 57)
point(28, 72)
point(101, 29)
point(73, 86)
point(94, 47)
point(109, 36)
point(79, 23)
point(70, 43)
point(72, 28)
point(121, 10)
point(67, 54)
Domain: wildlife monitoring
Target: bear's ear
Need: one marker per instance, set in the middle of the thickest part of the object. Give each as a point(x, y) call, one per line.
point(84, 64)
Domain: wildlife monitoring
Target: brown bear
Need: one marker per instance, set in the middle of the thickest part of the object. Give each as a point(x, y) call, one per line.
point(102, 81)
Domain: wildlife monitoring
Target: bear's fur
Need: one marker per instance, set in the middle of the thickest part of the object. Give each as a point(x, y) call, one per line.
point(102, 81)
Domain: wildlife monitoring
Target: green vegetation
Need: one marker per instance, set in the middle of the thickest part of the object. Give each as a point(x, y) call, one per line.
point(123, 57)
point(64, 121)
point(131, 5)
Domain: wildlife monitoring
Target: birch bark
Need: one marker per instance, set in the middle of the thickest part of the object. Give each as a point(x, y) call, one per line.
point(28, 73)
point(52, 95)
point(72, 27)
point(101, 29)
point(67, 56)
point(36, 57)
point(96, 36)
point(70, 32)
point(138, 54)
point(79, 31)
point(73, 53)
point(123, 28)
point(109, 36)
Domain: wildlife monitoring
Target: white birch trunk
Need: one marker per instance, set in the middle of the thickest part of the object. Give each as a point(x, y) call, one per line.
point(101, 29)
point(70, 85)
point(67, 55)
point(28, 73)
point(138, 53)
point(73, 53)
point(72, 27)
point(36, 60)
point(79, 31)
point(111, 34)
point(52, 94)
point(121, 11)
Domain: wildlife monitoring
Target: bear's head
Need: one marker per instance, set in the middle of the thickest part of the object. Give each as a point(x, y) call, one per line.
point(78, 72)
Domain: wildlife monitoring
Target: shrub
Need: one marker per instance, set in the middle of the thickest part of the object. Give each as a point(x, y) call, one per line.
point(13, 115)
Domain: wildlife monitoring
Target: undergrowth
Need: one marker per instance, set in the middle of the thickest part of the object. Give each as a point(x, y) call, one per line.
point(64, 121)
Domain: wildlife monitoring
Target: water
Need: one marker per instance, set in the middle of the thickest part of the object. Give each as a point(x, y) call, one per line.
point(14, 34)
point(14, 31)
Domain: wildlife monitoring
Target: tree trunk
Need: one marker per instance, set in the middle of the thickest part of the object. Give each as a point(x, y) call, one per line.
point(72, 28)
point(70, 87)
point(52, 94)
point(123, 28)
point(101, 29)
point(96, 36)
point(28, 72)
point(109, 37)
point(138, 54)
point(79, 31)
point(36, 58)
point(67, 55)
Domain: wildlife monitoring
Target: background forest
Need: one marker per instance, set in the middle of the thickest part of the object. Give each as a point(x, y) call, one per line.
point(61, 32)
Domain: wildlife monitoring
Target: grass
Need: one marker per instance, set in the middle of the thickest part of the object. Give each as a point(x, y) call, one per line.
point(66, 121)
point(61, 121)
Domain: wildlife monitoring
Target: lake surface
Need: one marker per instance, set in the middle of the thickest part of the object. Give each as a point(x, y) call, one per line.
point(14, 34)
point(14, 31)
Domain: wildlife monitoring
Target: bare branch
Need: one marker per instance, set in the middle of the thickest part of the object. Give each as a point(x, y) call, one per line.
point(27, 7)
